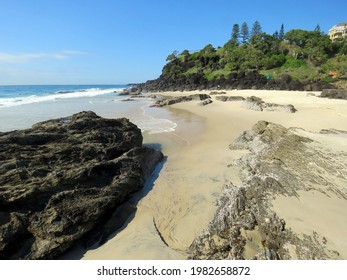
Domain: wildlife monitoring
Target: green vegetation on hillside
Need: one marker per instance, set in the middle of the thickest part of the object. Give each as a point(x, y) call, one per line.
point(302, 54)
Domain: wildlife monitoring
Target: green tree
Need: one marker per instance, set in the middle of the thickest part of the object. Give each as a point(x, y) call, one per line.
point(172, 56)
point(235, 35)
point(276, 35)
point(185, 53)
point(317, 29)
point(184, 56)
point(244, 32)
point(297, 37)
point(273, 61)
point(208, 50)
point(281, 33)
point(256, 29)
point(264, 43)
point(252, 58)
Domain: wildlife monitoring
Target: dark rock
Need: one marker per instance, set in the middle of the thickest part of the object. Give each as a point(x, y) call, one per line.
point(124, 92)
point(253, 103)
point(222, 98)
point(179, 99)
point(205, 102)
point(240, 80)
point(229, 98)
point(286, 78)
point(334, 93)
point(63, 178)
point(257, 104)
point(128, 99)
point(276, 107)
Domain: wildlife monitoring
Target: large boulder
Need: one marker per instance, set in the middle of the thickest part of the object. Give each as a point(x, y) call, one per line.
point(63, 178)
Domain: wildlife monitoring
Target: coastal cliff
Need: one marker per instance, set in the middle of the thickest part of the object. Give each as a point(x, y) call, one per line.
point(64, 178)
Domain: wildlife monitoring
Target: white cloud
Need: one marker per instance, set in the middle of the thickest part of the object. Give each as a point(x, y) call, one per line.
point(74, 52)
point(27, 57)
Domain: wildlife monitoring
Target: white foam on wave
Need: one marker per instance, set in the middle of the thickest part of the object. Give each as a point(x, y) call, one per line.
point(17, 101)
point(152, 125)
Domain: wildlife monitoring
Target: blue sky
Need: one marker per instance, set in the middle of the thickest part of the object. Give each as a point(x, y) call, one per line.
point(118, 42)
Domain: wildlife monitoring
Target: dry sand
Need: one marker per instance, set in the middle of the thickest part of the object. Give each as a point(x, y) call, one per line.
point(182, 198)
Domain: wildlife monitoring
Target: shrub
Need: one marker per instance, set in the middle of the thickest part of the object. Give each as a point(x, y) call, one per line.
point(294, 63)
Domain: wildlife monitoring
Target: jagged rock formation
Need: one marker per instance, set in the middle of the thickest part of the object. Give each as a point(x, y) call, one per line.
point(257, 104)
point(179, 99)
point(245, 226)
point(63, 178)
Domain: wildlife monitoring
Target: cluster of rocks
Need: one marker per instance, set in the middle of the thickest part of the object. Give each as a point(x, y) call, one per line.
point(334, 93)
point(244, 226)
point(64, 179)
point(130, 91)
point(257, 104)
point(241, 80)
point(205, 98)
point(134, 93)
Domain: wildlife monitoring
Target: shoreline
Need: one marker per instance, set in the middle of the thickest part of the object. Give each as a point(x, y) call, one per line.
point(183, 199)
point(180, 199)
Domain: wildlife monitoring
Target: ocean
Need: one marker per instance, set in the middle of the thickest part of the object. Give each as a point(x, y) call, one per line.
point(22, 106)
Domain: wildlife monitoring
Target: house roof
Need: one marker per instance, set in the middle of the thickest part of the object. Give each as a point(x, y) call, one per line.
point(341, 24)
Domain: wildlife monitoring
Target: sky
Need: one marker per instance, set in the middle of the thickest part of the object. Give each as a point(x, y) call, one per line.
point(127, 41)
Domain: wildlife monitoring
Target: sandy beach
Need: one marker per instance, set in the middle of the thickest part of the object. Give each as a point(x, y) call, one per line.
point(181, 200)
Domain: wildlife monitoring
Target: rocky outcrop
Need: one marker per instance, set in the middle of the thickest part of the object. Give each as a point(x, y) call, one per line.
point(130, 91)
point(245, 226)
point(205, 102)
point(334, 93)
point(224, 98)
point(179, 99)
point(240, 80)
point(257, 104)
point(64, 178)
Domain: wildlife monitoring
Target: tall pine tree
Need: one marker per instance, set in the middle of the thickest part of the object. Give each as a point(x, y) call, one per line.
point(244, 32)
point(235, 33)
point(256, 29)
point(281, 34)
point(317, 29)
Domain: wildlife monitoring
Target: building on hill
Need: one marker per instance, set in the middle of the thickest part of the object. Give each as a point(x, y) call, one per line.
point(338, 31)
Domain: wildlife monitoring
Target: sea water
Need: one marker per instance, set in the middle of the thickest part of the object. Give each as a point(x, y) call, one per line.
point(23, 106)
